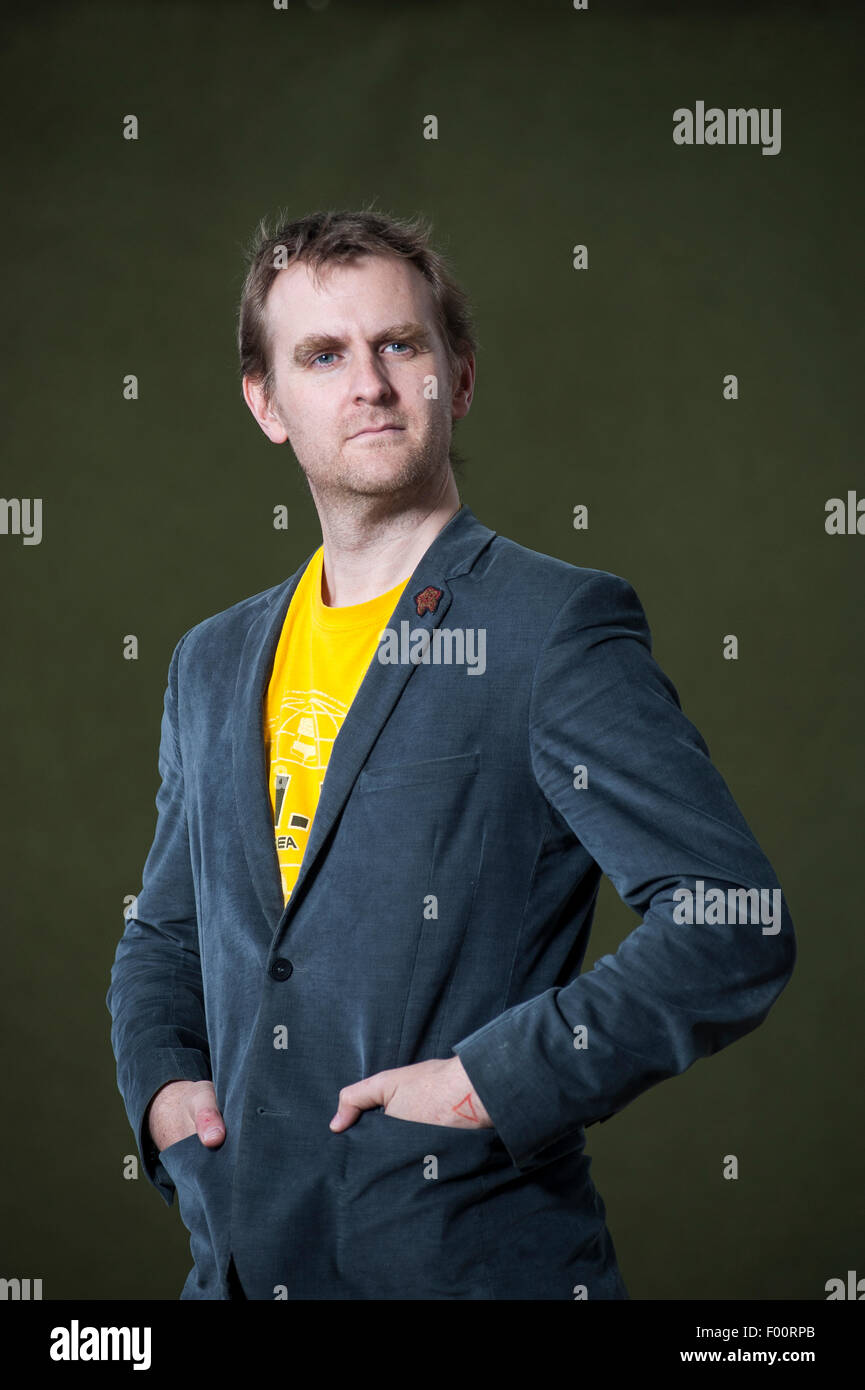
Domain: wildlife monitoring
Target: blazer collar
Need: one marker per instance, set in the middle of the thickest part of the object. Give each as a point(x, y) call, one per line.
point(452, 553)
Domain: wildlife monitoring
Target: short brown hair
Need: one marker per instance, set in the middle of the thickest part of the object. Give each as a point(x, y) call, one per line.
point(340, 236)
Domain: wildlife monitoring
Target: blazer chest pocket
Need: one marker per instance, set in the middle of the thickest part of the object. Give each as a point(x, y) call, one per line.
point(430, 773)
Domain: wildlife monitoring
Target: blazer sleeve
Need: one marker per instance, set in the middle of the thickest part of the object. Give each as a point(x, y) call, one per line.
point(156, 1001)
point(656, 816)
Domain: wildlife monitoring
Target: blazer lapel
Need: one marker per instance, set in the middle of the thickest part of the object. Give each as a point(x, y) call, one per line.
point(250, 770)
point(452, 553)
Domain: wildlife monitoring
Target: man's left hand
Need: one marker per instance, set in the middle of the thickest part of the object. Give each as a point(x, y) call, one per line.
point(434, 1093)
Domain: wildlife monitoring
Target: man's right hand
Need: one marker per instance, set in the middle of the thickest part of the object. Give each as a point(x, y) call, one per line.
point(182, 1108)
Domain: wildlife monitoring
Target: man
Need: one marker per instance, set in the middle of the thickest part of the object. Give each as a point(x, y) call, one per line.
point(348, 1016)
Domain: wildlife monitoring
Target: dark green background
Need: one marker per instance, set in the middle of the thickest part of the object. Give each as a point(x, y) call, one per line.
point(602, 387)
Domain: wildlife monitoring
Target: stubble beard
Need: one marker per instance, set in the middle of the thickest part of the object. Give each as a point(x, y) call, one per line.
point(344, 484)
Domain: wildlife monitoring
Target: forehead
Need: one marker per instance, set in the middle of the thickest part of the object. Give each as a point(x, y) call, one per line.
point(359, 293)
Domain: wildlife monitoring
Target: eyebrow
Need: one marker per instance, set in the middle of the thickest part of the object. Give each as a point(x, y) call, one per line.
point(314, 343)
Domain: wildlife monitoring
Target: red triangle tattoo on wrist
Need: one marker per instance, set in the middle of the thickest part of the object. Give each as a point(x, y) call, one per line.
point(469, 1112)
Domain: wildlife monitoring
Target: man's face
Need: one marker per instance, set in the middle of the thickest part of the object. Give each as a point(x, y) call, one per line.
point(353, 355)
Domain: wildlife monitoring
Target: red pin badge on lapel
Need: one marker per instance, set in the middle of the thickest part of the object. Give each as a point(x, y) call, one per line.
point(427, 600)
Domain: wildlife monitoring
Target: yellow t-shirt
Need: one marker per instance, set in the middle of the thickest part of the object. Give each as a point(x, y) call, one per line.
point(320, 661)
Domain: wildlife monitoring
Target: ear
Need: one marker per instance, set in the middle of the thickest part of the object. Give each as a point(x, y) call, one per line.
point(464, 386)
point(253, 394)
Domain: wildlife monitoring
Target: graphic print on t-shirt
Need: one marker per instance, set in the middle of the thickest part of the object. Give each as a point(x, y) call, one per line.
point(301, 736)
point(321, 658)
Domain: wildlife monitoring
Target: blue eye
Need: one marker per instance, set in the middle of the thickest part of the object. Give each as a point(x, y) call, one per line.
point(395, 342)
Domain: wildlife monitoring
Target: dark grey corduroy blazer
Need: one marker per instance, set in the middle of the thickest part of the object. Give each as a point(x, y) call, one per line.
point(443, 906)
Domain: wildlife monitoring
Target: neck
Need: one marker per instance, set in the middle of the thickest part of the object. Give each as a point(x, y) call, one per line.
point(372, 543)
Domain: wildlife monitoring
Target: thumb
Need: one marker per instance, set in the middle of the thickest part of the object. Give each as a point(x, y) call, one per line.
point(353, 1100)
point(210, 1126)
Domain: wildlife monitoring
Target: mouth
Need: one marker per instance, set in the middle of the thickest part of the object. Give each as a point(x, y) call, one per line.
point(381, 429)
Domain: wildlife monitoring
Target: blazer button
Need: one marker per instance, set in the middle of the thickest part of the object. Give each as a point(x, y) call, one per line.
point(281, 968)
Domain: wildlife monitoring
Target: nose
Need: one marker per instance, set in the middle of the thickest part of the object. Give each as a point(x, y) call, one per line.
point(369, 380)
